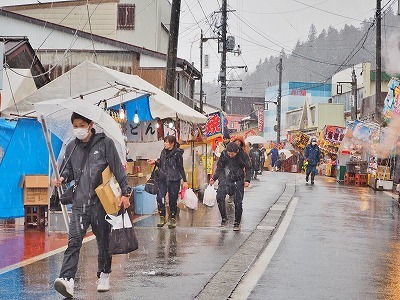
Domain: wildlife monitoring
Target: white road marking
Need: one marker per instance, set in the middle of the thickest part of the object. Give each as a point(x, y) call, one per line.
point(48, 254)
point(253, 275)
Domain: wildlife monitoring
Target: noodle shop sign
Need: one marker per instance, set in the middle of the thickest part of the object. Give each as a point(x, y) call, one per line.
point(215, 125)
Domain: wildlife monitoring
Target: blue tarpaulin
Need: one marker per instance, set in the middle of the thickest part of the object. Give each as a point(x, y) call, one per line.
point(26, 154)
point(6, 132)
point(138, 105)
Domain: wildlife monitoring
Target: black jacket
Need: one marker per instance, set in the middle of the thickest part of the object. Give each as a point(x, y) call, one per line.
point(170, 165)
point(233, 169)
point(102, 153)
point(255, 155)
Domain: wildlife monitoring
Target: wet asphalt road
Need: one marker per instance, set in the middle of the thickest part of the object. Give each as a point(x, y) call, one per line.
point(342, 243)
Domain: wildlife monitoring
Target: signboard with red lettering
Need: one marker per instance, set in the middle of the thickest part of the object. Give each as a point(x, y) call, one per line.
point(260, 120)
point(214, 125)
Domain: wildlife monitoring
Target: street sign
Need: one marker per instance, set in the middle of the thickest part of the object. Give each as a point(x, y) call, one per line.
point(351, 100)
point(206, 61)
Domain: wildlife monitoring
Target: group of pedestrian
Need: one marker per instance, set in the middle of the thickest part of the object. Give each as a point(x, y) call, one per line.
point(236, 167)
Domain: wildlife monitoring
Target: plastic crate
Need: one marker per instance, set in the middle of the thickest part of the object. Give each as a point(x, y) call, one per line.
point(145, 203)
point(357, 166)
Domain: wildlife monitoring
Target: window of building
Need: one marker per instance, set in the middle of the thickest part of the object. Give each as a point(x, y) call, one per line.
point(126, 16)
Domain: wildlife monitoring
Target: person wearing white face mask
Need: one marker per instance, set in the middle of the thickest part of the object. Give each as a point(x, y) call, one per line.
point(88, 156)
point(312, 156)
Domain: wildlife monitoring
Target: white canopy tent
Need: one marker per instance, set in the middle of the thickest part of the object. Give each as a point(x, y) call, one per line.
point(94, 83)
point(17, 84)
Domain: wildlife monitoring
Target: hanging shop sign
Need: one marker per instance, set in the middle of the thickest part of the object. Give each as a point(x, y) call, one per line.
point(260, 118)
point(214, 126)
point(142, 132)
point(301, 140)
point(210, 162)
point(334, 134)
point(392, 101)
point(361, 131)
point(185, 129)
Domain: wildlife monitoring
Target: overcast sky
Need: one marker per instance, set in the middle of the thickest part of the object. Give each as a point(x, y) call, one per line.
point(261, 27)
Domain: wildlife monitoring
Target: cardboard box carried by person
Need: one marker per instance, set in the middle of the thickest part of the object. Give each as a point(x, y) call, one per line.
point(109, 192)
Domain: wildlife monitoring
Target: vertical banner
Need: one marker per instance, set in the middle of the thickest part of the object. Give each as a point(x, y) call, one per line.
point(169, 131)
point(185, 131)
point(214, 125)
point(260, 120)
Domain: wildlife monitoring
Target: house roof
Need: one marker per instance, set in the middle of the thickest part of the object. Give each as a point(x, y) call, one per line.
point(242, 105)
point(97, 38)
point(19, 54)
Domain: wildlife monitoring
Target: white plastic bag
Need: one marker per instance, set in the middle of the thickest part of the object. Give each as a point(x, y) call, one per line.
point(210, 196)
point(119, 222)
point(190, 199)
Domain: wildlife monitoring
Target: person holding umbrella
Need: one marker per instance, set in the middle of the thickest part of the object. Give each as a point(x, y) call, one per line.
point(86, 207)
point(312, 156)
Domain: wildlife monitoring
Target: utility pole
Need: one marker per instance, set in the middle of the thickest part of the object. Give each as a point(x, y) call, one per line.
point(278, 104)
point(201, 71)
point(223, 55)
point(172, 47)
point(354, 108)
point(378, 77)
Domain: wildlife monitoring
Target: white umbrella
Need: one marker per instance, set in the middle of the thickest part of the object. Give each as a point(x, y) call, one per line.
point(287, 152)
point(57, 114)
point(255, 139)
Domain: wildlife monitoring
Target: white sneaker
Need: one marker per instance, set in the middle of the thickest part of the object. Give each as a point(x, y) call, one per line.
point(103, 284)
point(65, 287)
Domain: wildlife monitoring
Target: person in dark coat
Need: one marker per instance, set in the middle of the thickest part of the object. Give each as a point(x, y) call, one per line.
point(255, 156)
point(262, 160)
point(312, 156)
point(274, 156)
point(86, 207)
point(233, 173)
point(170, 173)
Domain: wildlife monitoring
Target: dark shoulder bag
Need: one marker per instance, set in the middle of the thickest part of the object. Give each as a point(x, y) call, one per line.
point(151, 185)
point(67, 196)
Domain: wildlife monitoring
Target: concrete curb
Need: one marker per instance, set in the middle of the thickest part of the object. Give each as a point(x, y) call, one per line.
point(224, 282)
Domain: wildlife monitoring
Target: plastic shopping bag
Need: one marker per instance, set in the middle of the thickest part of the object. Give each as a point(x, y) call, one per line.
point(210, 196)
point(190, 199)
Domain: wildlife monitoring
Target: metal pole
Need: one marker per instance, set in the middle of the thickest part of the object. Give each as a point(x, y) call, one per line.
point(223, 56)
point(172, 47)
point(201, 71)
point(193, 165)
point(354, 94)
point(55, 168)
point(278, 104)
point(378, 76)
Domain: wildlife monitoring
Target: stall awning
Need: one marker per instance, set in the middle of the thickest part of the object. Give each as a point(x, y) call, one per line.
point(95, 83)
point(17, 84)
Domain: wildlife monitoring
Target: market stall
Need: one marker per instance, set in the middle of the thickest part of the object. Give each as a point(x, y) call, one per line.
point(145, 113)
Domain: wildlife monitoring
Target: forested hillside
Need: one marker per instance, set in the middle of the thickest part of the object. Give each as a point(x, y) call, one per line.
point(322, 55)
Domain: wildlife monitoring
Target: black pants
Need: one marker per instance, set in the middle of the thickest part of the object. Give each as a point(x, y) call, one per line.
point(81, 218)
point(235, 189)
point(172, 187)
